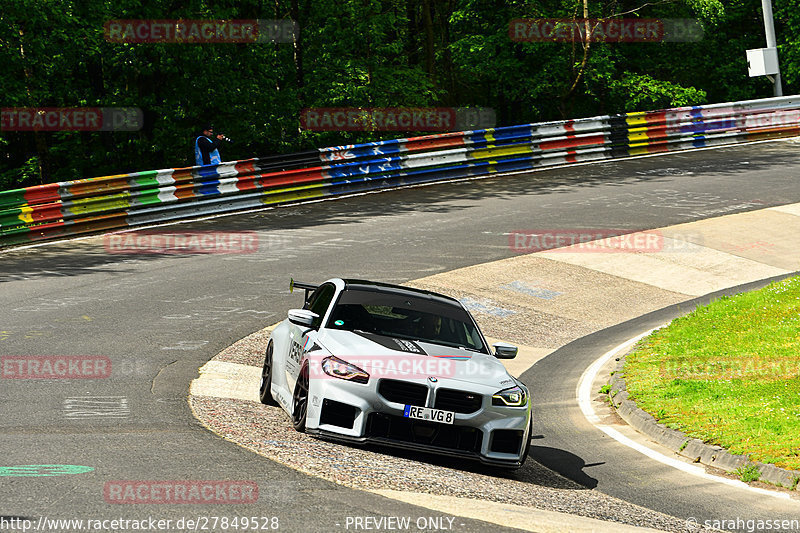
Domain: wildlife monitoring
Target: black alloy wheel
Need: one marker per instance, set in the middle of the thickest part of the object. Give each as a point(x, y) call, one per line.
point(300, 399)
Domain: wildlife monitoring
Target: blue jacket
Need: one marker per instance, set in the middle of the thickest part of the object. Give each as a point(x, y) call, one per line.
point(206, 151)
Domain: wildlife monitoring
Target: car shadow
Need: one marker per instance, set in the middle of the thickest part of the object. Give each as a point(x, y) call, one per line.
point(533, 471)
point(564, 463)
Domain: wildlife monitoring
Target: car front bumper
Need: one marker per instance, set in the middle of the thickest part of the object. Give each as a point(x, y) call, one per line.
point(362, 413)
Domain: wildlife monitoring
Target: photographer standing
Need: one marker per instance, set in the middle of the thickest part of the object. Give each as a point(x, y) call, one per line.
point(206, 147)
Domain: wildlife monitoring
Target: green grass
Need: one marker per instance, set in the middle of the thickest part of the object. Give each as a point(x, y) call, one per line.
point(728, 374)
point(748, 473)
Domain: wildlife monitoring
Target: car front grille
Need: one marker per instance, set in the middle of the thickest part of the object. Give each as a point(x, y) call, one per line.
point(458, 401)
point(445, 436)
point(403, 392)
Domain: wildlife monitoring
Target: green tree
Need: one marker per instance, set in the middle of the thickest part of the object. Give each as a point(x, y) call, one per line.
point(359, 53)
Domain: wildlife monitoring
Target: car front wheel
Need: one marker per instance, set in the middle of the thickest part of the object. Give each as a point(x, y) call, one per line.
point(527, 449)
point(300, 400)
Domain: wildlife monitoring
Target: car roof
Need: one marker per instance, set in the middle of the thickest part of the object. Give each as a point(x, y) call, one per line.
point(377, 286)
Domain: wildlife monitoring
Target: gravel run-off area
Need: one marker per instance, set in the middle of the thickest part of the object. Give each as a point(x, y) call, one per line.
point(268, 431)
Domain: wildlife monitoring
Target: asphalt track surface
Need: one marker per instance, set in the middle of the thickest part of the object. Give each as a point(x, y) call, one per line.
point(159, 318)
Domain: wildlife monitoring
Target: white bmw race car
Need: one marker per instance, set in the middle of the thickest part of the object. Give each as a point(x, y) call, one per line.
point(372, 362)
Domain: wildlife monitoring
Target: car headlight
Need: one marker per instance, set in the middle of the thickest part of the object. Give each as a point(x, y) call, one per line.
point(333, 366)
point(513, 397)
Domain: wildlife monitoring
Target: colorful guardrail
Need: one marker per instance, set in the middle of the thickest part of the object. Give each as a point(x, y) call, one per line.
point(128, 200)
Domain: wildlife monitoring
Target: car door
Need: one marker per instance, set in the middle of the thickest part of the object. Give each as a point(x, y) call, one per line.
point(301, 336)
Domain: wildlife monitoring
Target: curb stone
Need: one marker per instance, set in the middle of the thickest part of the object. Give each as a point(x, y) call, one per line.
point(685, 446)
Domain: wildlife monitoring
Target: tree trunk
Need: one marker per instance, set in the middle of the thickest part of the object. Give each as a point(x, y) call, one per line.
point(427, 20)
point(297, 45)
point(39, 139)
point(587, 42)
point(412, 41)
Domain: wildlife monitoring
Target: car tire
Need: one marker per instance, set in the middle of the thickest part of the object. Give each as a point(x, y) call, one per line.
point(265, 388)
point(527, 444)
point(525, 451)
point(300, 400)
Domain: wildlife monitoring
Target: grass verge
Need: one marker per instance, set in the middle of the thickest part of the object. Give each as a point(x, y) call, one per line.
point(729, 374)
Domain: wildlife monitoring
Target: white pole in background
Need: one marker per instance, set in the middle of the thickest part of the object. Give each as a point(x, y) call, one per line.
point(769, 29)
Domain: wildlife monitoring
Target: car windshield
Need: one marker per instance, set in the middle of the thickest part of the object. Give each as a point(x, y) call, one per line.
point(406, 316)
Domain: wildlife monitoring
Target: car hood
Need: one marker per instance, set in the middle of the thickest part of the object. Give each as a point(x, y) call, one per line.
point(390, 357)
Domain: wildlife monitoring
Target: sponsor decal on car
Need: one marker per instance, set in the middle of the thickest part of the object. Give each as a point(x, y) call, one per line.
point(408, 346)
point(295, 352)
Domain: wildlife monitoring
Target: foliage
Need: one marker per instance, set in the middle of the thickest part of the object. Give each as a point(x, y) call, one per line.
point(377, 53)
point(748, 473)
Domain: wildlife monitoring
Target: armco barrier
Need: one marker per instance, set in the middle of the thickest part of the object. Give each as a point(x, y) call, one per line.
point(112, 202)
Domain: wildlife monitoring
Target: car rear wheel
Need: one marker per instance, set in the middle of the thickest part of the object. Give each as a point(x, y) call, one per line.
point(265, 389)
point(300, 400)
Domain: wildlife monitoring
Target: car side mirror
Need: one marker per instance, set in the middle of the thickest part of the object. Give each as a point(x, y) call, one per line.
point(503, 350)
point(302, 317)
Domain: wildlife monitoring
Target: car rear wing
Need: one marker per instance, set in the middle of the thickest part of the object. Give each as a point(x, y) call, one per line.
point(308, 287)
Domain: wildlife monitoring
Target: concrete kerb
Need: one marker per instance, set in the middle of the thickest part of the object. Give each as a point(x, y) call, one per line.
point(685, 446)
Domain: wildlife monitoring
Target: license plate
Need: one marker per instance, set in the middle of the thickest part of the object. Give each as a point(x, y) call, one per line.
point(431, 415)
